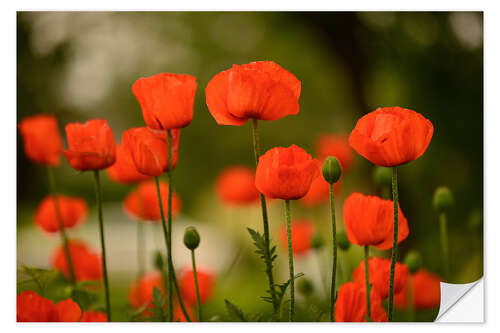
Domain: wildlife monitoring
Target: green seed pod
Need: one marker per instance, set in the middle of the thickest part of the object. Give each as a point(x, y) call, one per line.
point(317, 242)
point(191, 238)
point(382, 177)
point(413, 260)
point(443, 198)
point(342, 241)
point(159, 261)
point(305, 286)
point(331, 170)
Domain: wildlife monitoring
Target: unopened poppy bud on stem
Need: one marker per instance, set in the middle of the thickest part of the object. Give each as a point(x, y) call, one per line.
point(305, 286)
point(317, 242)
point(331, 170)
point(342, 241)
point(191, 238)
point(443, 198)
point(414, 261)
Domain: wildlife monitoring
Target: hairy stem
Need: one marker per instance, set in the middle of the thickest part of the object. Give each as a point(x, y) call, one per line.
point(196, 285)
point(367, 282)
point(268, 261)
point(103, 247)
point(64, 238)
point(444, 246)
point(171, 271)
point(395, 240)
point(334, 267)
point(290, 258)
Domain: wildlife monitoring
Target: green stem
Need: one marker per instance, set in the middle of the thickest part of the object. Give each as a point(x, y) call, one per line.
point(140, 249)
point(267, 254)
point(62, 229)
point(196, 285)
point(98, 191)
point(444, 246)
point(169, 229)
point(334, 269)
point(367, 281)
point(290, 258)
point(395, 240)
point(171, 270)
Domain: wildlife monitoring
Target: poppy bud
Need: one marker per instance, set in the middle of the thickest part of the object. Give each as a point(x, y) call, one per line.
point(382, 176)
point(317, 242)
point(191, 238)
point(331, 169)
point(305, 286)
point(443, 198)
point(414, 261)
point(343, 241)
point(159, 261)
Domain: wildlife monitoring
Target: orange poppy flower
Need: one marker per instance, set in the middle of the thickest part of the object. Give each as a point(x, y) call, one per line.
point(86, 263)
point(351, 304)
point(124, 170)
point(336, 145)
point(32, 307)
point(380, 270)
point(72, 210)
point(302, 235)
point(426, 291)
point(369, 221)
point(391, 136)
point(261, 90)
point(236, 186)
point(149, 150)
point(68, 311)
point(91, 145)
point(206, 284)
point(166, 100)
point(94, 316)
point(42, 140)
point(319, 192)
point(142, 203)
point(141, 292)
point(286, 173)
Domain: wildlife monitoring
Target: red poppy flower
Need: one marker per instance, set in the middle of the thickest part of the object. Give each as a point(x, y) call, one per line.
point(68, 311)
point(426, 291)
point(149, 149)
point(380, 270)
point(94, 316)
point(72, 210)
point(124, 170)
point(34, 308)
point(141, 292)
point(166, 100)
point(319, 192)
point(206, 284)
point(336, 145)
point(142, 203)
point(351, 304)
point(236, 186)
point(302, 235)
point(86, 263)
point(391, 136)
point(286, 173)
point(260, 90)
point(91, 145)
point(369, 221)
point(42, 140)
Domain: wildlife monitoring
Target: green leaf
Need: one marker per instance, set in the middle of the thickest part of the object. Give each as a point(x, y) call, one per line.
point(234, 311)
point(159, 310)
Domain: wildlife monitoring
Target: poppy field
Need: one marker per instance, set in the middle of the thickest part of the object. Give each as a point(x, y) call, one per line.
point(250, 184)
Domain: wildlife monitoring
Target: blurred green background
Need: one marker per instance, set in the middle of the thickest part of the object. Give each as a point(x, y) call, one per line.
point(81, 65)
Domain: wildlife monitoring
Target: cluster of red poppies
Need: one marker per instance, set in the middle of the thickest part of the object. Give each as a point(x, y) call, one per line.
point(258, 91)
